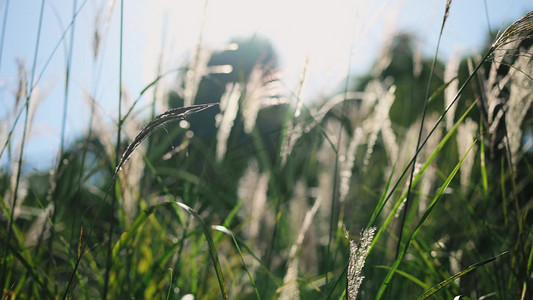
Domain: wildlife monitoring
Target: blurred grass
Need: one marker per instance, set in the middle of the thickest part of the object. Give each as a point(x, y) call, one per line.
point(160, 211)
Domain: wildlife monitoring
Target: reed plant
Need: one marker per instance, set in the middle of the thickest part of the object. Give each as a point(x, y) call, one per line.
point(416, 183)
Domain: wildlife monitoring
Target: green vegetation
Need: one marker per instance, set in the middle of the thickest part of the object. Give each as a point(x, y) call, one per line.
point(417, 183)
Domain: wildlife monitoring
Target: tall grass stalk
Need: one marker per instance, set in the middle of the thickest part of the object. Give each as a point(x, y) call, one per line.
point(290, 289)
point(383, 200)
point(54, 204)
point(3, 34)
point(171, 115)
point(39, 77)
point(67, 80)
point(333, 222)
point(21, 153)
point(59, 42)
point(417, 228)
point(235, 205)
point(408, 200)
point(456, 276)
point(114, 197)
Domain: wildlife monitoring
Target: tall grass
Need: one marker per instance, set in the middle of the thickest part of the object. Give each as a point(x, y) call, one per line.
point(241, 189)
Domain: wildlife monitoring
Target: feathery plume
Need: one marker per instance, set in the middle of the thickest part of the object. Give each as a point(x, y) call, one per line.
point(347, 163)
point(160, 120)
point(466, 133)
point(290, 284)
point(229, 107)
point(262, 87)
point(515, 32)
point(518, 104)
point(374, 124)
point(455, 264)
point(252, 190)
point(356, 263)
point(430, 175)
point(196, 70)
point(295, 131)
point(450, 75)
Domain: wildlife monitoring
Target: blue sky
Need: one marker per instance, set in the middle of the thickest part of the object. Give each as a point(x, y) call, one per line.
point(321, 32)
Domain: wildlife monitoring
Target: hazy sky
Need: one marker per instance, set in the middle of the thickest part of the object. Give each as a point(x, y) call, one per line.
point(327, 34)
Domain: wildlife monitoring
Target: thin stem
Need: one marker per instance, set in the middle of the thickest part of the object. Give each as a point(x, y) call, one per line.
point(117, 156)
point(4, 24)
point(57, 174)
point(409, 197)
point(21, 153)
point(334, 216)
point(19, 114)
point(67, 81)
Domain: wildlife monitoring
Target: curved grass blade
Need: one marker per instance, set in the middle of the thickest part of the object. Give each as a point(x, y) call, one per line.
point(169, 115)
point(29, 268)
point(146, 88)
point(381, 202)
point(227, 222)
point(206, 230)
point(169, 287)
point(212, 248)
point(528, 268)
point(444, 283)
point(230, 233)
point(276, 280)
point(515, 30)
point(520, 26)
point(409, 197)
point(139, 221)
point(408, 276)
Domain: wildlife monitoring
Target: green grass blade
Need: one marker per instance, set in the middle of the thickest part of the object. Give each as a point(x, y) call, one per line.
point(206, 230)
point(230, 233)
point(114, 199)
point(170, 115)
point(227, 221)
point(2, 35)
point(433, 155)
point(444, 283)
point(211, 246)
point(424, 217)
point(29, 268)
point(20, 159)
point(408, 198)
point(139, 221)
point(528, 268)
point(276, 280)
point(408, 276)
point(148, 87)
point(381, 202)
point(440, 90)
point(169, 291)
